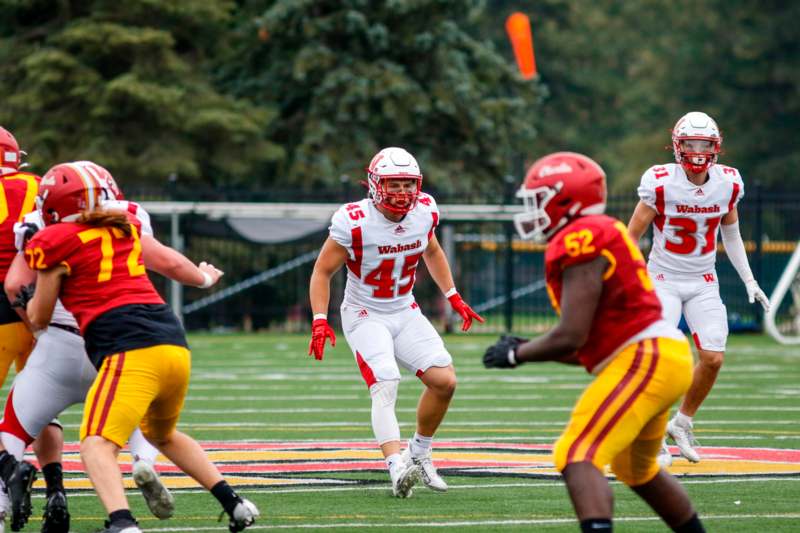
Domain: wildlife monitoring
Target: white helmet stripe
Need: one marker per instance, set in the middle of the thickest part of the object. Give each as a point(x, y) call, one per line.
point(89, 183)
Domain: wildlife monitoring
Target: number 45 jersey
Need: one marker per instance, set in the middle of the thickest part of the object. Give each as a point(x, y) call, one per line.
point(689, 215)
point(383, 255)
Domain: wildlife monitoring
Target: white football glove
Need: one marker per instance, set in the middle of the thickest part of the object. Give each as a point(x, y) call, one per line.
point(754, 293)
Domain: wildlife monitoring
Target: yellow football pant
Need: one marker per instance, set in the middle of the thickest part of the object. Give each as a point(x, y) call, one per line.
point(16, 344)
point(621, 417)
point(144, 387)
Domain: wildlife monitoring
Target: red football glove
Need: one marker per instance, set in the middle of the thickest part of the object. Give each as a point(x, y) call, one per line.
point(466, 312)
point(320, 330)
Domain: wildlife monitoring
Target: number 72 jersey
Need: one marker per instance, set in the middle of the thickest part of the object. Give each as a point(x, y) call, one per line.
point(383, 255)
point(105, 269)
point(686, 226)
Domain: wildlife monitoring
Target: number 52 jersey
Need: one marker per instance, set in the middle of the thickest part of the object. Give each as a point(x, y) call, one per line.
point(689, 215)
point(383, 255)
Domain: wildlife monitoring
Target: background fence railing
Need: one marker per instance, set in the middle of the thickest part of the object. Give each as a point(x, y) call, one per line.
point(266, 285)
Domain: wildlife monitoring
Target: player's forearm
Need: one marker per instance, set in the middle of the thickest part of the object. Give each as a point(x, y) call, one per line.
point(319, 292)
point(555, 345)
point(641, 218)
point(170, 263)
point(439, 269)
point(734, 247)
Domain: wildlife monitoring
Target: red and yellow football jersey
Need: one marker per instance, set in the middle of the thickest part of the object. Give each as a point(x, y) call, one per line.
point(17, 199)
point(628, 303)
point(104, 268)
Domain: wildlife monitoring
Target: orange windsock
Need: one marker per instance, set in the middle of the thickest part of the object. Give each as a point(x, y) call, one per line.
point(518, 27)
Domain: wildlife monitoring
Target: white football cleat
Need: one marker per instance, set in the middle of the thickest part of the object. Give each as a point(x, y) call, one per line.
point(428, 472)
point(684, 439)
point(243, 516)
point(664, 458)
point(159, 499)
point(404, 478)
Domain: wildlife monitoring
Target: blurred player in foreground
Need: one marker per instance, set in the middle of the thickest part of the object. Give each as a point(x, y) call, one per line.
point(60, 366)
point(688, 202)
point(17, 195)
point(92, 260)
point(611, 324)
point(381, 240)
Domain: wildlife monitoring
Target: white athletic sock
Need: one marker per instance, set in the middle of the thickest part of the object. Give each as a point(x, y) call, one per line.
point(420, 445)
point(683, 420)
point(141, 449)
point(13, 445)
point(394, 462)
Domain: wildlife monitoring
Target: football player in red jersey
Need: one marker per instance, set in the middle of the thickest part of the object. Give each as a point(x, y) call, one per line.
point(59, 364)
point(17, 198)
point(610, 322)
point(92, 260)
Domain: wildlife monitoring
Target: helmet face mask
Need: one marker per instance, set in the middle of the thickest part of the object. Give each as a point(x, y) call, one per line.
point(394, 180)
point(557, 189)
point(696, 142)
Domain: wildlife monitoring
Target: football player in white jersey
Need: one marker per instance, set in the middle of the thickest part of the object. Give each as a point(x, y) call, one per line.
point(381, 240)
point(688, 202)
point(59, 365)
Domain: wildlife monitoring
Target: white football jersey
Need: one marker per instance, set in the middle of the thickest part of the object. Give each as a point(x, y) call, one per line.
point(383, 255)
point(60, 314)
point(686, 227)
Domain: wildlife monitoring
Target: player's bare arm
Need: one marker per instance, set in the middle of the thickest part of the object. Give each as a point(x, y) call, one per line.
point(330, 259)
point(640, 220)
point(176, 266)
point(48, 285)
point(436, 261)
point(583, 285)
point(19, 275)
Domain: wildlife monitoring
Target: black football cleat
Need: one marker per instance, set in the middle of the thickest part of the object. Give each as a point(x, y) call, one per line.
point(18, 486)
point(56, 514)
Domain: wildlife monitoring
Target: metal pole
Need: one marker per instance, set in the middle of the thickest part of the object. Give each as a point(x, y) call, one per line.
point(175, 288)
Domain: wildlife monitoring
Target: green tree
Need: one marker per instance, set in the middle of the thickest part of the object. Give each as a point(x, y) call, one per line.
point(126, 84)
point(353, 76)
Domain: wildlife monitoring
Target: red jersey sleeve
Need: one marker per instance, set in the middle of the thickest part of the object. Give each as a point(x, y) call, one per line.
point(584, 241)
point(51, 247)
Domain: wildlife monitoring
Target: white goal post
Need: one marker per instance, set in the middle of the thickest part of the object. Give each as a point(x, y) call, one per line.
point(784, 326)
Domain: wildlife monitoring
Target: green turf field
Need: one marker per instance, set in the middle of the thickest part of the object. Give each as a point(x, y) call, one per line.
point(265, 389)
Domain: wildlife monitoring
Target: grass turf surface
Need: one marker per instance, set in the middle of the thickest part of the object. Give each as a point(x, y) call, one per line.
point(265, 388)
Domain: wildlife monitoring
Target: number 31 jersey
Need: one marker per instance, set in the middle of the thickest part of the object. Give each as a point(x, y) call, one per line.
point(685, 228)
point(383, 255)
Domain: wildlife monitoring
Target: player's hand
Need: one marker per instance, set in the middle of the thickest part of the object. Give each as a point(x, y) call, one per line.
point(466, 312)
point(24, 296)
point(755, 294)
point(320, 330)
point(211, 274)
point(23, 232)
point(503, 353)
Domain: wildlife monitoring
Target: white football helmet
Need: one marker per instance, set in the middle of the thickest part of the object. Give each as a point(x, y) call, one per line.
point(696, 142)
point(388, 164)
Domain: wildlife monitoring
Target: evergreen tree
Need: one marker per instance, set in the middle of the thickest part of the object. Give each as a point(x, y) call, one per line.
point(125, 84)
point(353, 76)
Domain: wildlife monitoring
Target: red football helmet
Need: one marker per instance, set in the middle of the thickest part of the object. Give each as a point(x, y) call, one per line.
point(69, 189)
point(10, 154)
point(393, 164)
point(696, 142)
point(558, 188)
